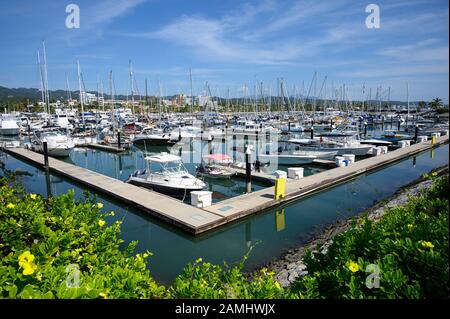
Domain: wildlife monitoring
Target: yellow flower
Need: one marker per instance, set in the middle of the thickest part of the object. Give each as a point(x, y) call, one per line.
point(353, 266)
point(26, 261)
point(112, 213)
point(199, 260)
point(101, 222)
point(434, 174)
point(33, 196)
point(410, 227)
point(427, 244)
point(277, 285)
point(10, 205)
point(103, 295)
point(99, 205)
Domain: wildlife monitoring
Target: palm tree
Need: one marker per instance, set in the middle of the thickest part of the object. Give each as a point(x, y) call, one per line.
point(436, 103)
point(422, 105)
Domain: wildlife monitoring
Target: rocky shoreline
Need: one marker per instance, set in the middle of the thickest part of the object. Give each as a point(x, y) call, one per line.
point(290, 266)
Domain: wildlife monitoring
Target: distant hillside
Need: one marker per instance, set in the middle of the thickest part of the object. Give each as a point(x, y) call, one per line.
point(34, 95)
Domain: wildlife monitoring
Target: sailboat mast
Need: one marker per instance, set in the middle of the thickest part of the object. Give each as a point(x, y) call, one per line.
point(42, 80)
point(46, 80)
point(111, 94)
point(101, 94)
point(81, 93)
point(192, 98)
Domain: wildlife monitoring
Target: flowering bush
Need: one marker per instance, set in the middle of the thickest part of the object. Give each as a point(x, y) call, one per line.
point(46, 243)
point(408, 248)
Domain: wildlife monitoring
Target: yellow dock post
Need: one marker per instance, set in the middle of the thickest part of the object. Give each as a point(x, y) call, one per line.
point(280, 188)
point(433, 140)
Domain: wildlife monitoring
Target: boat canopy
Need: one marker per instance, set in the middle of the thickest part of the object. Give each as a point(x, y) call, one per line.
point(217, 157)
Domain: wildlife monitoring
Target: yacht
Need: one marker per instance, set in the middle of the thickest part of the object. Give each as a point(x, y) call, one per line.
point(216, 166)
point(152, 136)
point(343, 145)
point(296, 157)
point(292, 127)
point(58, 143)
point(165, 173)
point(8, 125)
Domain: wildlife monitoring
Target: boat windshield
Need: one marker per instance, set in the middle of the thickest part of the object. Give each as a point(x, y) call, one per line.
point(168, 168)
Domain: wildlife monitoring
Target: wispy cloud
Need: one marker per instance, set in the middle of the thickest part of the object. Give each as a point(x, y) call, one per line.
point(96, 17)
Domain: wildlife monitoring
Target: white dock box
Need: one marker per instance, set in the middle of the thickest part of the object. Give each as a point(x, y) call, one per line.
point(201, 199)
point(339, 161)
point(280, 174)
point(436, 134)
point(422, 138)
point(402, 144)
point(349, 157)
point(295, 172)
point(384, 149)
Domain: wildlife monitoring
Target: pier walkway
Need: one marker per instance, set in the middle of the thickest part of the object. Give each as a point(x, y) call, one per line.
point(190, 218)
point(196, 220)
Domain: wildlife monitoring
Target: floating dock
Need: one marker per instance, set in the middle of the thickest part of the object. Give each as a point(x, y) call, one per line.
point(198, 220)
point(105, 148)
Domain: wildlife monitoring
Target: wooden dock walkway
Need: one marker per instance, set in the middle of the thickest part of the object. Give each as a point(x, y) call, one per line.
point(244, 205)
point(196, 220)
point(190, 218)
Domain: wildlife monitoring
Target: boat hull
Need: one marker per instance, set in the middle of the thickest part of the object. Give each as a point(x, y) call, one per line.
point(168, 190)
point(10, 131)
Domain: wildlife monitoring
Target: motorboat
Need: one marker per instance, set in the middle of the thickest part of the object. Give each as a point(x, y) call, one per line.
point(152, 136)
point(8, 125)
point(292, 127)
point(296, 157)
point(216, 166)
point(165, 173)
point(58, 143)
point(343, 145)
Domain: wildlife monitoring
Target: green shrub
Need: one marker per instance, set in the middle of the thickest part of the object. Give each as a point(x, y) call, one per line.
point(205, 280)
point(40, 238)
point(409, 245)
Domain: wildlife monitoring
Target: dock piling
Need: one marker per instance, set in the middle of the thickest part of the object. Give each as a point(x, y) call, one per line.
point(118, 139)
point(416, 132)
point(248, 169)
point(312, 132)
point(44, 144)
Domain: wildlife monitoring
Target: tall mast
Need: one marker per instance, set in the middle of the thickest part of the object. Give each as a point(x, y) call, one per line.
point(192, 98)
point(41, 79)
point(81, 93)
point(146, 96)
point(46, 79)
point(407, 98)
point(130, 66)
point(111, 93)
point(101, 94)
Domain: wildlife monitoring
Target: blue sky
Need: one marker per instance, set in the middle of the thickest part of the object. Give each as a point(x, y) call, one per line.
point(231, 44)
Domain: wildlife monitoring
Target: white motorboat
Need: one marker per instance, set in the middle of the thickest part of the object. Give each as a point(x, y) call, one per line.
point(166, 173)
point(251, 127)
point(344, 146)
point(58, 143)
point(216, 166)
point(8, 125)
point(296, 157)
